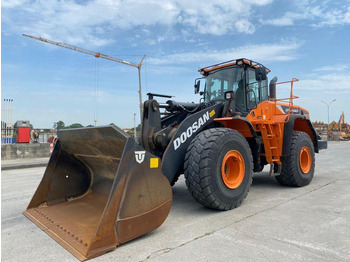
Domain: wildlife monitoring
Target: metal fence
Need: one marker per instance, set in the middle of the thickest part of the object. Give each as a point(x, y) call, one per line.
point(8, 136)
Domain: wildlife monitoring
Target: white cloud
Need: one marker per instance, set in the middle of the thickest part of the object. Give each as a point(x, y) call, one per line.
point(154, 41)
point(244, 26)
point(332, 68)
point(287, 19)
point(332, 82)
point(283, 51)
point(317, 14)
point(334, 17)
point(13, 3)
point(90, 22)
point(217, 17)
point(259, 2)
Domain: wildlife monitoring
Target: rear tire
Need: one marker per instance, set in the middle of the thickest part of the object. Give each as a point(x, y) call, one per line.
point(206, 171)
point(298, 169)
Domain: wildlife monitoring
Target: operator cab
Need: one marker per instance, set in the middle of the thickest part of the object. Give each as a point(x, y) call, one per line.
point(247, 79)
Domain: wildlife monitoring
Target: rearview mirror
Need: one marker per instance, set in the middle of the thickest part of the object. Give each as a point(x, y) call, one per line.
point(197, 86)
point(260, 73)
point(229, 95)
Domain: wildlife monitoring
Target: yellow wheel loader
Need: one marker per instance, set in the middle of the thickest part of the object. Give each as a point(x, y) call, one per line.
point(102, 188)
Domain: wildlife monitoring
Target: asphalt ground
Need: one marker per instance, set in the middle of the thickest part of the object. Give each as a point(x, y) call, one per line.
point(274, 223)
point(24, 163)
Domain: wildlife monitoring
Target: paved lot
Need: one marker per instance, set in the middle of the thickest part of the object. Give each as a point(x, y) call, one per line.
point(275, 223)
point(24, 163)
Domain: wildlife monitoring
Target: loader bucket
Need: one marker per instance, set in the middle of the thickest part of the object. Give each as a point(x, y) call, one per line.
point(100, 189)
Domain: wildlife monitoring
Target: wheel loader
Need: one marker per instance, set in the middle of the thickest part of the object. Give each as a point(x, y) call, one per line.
point(102, 188)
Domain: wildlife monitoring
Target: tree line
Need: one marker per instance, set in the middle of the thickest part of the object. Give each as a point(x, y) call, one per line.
point(61, 125)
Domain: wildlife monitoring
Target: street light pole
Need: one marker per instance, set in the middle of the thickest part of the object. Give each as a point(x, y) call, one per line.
point(135, 125)
point(328, 104)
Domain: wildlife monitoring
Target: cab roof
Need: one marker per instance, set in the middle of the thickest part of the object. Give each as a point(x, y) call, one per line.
point(240, 61)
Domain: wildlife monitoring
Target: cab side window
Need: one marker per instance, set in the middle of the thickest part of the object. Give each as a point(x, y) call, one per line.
point(217, 88)
point(264, 92)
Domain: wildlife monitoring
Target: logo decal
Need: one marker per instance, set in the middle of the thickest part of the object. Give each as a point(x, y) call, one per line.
point(192, 129)
point(140, 156)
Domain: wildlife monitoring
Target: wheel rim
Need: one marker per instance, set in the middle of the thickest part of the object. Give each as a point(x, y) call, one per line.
point(305, 160)
point(232, 169)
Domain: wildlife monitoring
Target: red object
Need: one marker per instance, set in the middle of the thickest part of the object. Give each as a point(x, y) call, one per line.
point(23, 135)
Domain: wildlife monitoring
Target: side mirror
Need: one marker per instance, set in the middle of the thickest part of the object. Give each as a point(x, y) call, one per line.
point(197, 86)
point(260, 73)
point(229, 95)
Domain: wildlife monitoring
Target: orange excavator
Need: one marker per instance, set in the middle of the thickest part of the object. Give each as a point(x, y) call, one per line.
point(103, 188)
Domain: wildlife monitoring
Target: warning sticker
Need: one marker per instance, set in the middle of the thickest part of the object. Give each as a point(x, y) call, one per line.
point(154, 162)
point(212, 112)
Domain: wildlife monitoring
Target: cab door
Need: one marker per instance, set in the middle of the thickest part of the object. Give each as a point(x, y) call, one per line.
point(256, 90)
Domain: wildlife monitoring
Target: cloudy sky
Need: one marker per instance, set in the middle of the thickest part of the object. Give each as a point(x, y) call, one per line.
point(306, 39)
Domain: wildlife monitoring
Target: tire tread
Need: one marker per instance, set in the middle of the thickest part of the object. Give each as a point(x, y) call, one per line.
point(289, 174)
point(199, 156)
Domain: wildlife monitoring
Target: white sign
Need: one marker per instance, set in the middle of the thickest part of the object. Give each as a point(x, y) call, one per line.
point(140, 156)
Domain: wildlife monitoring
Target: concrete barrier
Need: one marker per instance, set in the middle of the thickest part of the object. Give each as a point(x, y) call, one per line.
point(18, 151)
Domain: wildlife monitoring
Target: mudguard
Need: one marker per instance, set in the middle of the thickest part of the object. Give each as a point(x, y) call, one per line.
point(174, 155)
point(288, 131)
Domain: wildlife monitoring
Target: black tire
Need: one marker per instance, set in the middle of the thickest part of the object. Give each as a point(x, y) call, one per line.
point(203, 168)
point(291, 172)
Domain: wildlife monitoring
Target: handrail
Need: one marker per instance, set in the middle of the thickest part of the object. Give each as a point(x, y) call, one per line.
point(290, 99)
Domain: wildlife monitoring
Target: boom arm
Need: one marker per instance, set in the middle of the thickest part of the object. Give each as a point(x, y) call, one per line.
point(85, 51)
point(97, 55)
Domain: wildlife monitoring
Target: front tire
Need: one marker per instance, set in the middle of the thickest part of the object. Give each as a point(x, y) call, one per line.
point(299, 167)
point(218, 168)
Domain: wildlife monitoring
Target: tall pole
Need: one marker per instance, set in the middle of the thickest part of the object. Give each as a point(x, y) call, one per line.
point(11, 119)
point(134, 125)
point(328, 104)
point(140, 88)
point(140, 93)
point(7, 119)
point(11, 110)
point(4, 122)
point(7, 112)
point(7, 107)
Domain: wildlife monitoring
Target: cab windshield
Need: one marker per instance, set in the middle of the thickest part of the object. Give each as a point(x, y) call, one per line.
point(228, 79)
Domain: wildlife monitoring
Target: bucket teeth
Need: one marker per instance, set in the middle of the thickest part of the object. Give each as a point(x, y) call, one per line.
point(100, 189)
